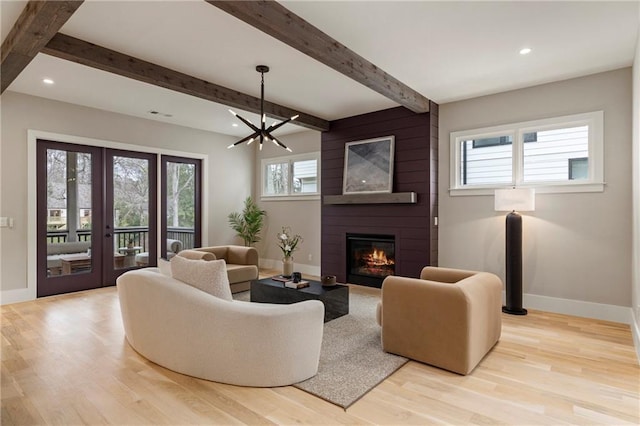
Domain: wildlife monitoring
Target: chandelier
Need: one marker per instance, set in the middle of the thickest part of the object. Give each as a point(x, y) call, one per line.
point(263, 133)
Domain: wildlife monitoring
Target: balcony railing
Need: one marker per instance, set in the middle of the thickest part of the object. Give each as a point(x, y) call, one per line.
point(137, 235)
point(186, 235)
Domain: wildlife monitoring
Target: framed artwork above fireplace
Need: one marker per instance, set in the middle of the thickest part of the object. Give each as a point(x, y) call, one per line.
point(368, 166)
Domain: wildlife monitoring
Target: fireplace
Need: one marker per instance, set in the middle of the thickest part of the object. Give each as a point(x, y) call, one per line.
point(370, 258)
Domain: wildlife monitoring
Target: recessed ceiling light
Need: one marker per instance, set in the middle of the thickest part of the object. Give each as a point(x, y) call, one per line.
point(234, 124)
point(47, 81)
point(525, 51)
point(164, 114)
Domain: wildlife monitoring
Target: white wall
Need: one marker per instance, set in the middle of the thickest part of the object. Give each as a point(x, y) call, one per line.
point(229, 173)
point(636, 198)
point(303, 216)
point(577, 247)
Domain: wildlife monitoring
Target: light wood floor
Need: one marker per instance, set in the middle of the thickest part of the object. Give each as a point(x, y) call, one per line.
point(65, 360)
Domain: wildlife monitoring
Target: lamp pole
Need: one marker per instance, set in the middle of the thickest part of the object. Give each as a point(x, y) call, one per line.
point(521, 199)
point(513, 265)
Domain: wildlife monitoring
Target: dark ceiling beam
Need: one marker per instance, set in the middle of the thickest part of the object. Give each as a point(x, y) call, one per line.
point(274, 19)
point(36, 25)
point(91, 55)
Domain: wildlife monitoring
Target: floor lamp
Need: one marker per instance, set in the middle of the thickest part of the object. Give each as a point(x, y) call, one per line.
point(523, 200)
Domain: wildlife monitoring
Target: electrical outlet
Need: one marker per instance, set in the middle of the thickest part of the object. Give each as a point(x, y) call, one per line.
point(310, 257)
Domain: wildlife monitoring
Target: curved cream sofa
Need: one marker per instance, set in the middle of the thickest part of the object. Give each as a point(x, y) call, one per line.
point(192, 332)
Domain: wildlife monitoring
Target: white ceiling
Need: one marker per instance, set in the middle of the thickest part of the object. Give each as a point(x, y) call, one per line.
point(446, 50)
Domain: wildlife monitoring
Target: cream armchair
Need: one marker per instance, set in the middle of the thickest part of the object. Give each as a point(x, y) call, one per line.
point(448, 318)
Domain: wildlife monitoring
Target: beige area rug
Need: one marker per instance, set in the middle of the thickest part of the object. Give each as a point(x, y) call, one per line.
point(352, 361)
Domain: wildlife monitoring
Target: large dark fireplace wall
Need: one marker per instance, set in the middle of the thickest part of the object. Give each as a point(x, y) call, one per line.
point(411, 226)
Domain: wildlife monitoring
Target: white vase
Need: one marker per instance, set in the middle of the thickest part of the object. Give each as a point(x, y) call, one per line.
point(287, 266)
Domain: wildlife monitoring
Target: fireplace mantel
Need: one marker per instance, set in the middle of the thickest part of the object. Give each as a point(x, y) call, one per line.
point(377, 198)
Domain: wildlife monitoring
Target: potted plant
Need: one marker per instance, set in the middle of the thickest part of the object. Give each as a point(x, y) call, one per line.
point(248, 224)
point(288, 244)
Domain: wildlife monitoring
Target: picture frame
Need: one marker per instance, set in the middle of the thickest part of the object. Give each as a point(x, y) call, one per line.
point(368, 166)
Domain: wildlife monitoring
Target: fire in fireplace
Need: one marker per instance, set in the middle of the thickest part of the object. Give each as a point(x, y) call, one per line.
point(370, 258)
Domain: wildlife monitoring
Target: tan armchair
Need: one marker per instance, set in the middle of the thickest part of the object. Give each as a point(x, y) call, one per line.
point(448, 318)
point(242, 264)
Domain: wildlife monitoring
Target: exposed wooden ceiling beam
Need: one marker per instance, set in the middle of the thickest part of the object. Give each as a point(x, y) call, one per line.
point(274, 19)
point(85, 53)
point(36, 25)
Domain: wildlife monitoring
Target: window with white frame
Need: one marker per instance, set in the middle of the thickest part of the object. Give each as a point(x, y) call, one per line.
point(292, 176)
point(560, 154)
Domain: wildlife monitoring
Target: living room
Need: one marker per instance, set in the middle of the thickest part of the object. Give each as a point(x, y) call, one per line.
point(581, 250)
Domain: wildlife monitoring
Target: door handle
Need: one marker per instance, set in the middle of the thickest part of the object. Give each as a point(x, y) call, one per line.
point(108, 235)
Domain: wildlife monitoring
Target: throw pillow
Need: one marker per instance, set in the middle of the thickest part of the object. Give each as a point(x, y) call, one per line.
point(208, 276)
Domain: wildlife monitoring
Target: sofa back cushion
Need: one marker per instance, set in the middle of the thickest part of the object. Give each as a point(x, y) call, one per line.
point(208, 276)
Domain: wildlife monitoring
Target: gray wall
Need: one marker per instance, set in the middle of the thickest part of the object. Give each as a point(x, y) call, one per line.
point(576, 246)
point(230, 172)
point(303, 216)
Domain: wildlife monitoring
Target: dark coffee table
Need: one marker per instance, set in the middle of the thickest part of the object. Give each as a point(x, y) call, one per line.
point(335, 299)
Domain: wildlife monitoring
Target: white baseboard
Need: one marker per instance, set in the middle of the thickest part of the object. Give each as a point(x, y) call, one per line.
point(298, 267)
point(635, 332)
point(579, 308)
point(17, 296)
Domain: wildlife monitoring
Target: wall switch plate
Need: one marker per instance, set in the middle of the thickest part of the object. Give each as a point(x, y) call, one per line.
point(6, 222)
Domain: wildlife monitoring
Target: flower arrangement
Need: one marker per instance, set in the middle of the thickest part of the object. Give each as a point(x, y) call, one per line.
point(287, 242)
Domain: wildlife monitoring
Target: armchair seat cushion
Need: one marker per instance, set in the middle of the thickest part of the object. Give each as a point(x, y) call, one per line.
point(239, 273)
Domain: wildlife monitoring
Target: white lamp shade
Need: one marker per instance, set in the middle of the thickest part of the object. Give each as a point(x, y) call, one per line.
point(518, 199)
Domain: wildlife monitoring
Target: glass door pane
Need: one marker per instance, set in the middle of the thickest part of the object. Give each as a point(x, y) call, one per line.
point(68, 192)
point(131, 213)
point(180, 205)
point(68, 212)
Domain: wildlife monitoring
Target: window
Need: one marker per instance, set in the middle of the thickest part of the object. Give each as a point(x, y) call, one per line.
point(487, 160)
point(292, 176)
point(57, 219)
point(562, 154)
point(578, 168)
